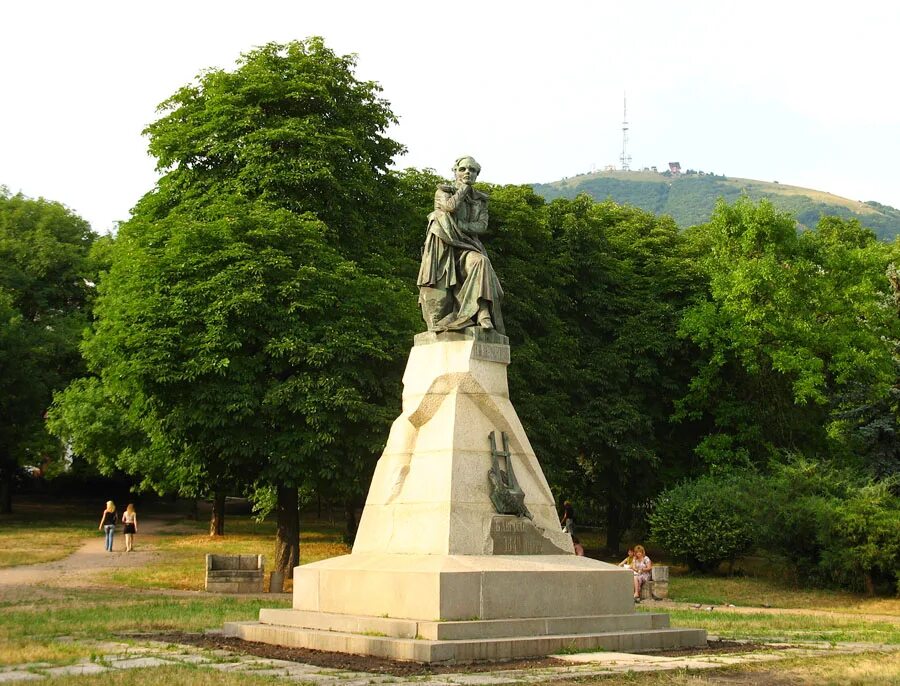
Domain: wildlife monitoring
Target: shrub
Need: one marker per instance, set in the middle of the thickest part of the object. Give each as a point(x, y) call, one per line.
point(861, 548)
point(706, 521)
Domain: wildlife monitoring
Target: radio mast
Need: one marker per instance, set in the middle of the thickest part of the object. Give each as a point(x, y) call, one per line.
point(625, 158)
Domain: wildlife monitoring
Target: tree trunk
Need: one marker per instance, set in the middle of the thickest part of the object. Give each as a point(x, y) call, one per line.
point(217, 516)
point(613, 525)
point(7, 472)
point(352, 523)
point(287, 536)
point(870, 583)
point(194, 512)
point(5, 492)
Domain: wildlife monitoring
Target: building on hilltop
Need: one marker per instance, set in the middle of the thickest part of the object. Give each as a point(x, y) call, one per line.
point(675, 168)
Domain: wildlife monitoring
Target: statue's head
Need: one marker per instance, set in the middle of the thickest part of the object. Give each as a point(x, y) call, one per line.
point(466, 169)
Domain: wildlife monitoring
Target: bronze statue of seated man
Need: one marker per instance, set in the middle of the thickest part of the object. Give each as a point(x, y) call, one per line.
point(458, 287)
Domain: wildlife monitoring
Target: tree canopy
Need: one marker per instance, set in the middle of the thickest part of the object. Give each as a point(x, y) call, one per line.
point(46, 283)
point(250, 326)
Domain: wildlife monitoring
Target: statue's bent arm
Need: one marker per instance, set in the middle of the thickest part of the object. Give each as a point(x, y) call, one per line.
point(448, 202)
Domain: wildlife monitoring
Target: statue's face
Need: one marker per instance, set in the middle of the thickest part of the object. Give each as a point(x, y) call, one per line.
point(467, 170)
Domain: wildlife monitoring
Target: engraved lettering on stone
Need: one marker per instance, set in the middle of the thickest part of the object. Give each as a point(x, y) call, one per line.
point(493, 353)
point(516, 536)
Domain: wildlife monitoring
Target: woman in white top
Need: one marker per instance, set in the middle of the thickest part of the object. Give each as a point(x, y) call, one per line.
point(129, 519)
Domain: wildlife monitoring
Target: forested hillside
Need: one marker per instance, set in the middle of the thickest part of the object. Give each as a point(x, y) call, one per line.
point(690, 198)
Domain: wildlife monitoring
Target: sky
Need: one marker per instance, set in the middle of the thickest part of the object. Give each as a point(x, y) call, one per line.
point(804, 93)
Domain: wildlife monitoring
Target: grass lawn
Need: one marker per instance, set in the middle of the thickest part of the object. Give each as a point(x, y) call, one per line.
point(31, 624)
point(785, 627)
point(866, 669)
point(185, 543)
point(761, 592)
point(35, 534)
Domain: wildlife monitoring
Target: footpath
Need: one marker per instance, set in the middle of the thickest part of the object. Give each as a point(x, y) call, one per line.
point(91, 557)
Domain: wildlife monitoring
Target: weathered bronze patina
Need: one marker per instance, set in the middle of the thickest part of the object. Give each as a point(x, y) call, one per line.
point(458, 287)
point(506, 494)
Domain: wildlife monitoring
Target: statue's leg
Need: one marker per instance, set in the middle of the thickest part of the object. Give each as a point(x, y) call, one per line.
point(436, 304)
point(478, 289)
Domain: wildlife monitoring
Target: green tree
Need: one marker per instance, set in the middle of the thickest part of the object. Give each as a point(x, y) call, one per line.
point(45, 296)
point(627, 281)
point(790, 322)
point(251, 323)
point(291, 126)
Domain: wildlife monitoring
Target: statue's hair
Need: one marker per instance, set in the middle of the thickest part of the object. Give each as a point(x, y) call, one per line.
point(466, 157)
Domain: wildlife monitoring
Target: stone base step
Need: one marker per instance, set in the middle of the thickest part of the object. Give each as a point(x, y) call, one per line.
point(466, 650)
point(461, 630)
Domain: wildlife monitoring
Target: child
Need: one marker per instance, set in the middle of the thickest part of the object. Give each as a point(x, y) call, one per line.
point(579, 549)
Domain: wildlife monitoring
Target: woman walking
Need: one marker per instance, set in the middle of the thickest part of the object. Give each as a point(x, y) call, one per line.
point(108, 523)
point(129, 519)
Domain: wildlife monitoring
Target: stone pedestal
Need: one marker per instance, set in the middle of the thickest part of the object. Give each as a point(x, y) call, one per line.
point(434, 569)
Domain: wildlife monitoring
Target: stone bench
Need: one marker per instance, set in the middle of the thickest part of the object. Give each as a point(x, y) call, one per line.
point(234, 573)
point(658, 586)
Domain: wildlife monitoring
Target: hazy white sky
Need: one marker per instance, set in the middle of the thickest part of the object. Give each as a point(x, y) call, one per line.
point(800, 92)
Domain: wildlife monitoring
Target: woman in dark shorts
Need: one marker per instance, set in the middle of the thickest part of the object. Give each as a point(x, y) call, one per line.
point(129, 519)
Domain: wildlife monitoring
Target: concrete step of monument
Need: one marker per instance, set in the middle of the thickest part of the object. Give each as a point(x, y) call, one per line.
point(461, 630)
point(469, 650)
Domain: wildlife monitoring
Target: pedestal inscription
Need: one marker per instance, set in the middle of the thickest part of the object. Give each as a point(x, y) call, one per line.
point(518, 536)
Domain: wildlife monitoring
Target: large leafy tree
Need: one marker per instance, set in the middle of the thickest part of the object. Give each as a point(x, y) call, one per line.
point(792, 323)
point(251, 323)
point(292, 126)
point(45, 292)
point(628, 283)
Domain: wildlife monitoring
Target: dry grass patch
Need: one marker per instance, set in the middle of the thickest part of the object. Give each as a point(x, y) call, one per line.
point(32, 535)
point(187, 675)
point(17, 651)
point(21, 546)
point(184, 545)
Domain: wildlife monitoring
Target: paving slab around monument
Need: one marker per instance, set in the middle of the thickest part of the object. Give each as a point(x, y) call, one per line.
point(149, 654)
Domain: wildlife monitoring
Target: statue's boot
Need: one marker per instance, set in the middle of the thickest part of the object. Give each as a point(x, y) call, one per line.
point(484, 317)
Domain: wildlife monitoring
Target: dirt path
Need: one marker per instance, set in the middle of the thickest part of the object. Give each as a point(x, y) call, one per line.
point(89, 558)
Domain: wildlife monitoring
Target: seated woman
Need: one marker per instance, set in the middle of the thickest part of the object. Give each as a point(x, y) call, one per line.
point(641, 566)
point(628, 558)
point(458, 287)
point(579, 549)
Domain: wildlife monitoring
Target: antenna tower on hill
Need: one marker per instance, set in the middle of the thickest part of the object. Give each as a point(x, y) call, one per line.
point(625, 158)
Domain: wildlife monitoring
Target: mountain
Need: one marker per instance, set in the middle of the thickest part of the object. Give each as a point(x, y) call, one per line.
point(689, 198)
